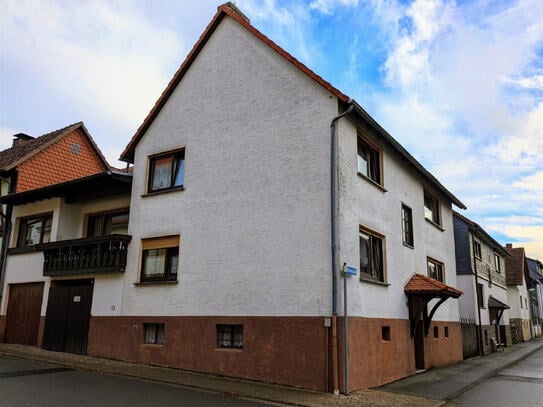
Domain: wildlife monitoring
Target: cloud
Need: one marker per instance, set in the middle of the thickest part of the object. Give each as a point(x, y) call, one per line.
point(327, 6)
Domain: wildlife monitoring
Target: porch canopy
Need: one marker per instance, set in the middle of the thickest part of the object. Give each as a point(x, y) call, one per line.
point(420, 290)
point(497, 306)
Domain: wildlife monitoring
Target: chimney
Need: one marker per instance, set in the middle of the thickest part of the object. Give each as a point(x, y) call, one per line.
point(20, 138)
point(236, 10)
point(509, 245)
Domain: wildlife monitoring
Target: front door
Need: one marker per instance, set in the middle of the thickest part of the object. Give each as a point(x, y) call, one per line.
point(419, 345)
point(23, 313)
point(68, 316)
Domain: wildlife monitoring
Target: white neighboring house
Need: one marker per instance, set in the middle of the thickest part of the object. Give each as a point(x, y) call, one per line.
point(67, 248)
point(516, 268)
point(480, 269)
point(230, 266)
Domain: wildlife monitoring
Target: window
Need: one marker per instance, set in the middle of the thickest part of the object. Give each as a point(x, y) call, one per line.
point(435, 269)
point(497, 263)
point(230, 336)
point(371, 256)
point(160, 257)
point(385, 333)
point(369, 161)
point(431, 209)
point(107, 223)
point(436, 332)
point(446, 332)
point(526, 302)
point(477, 249)
point(521, 301)
point(166, 171)
point(154, 333)
point(35, 230)
point(407, 225)
point(480, 295)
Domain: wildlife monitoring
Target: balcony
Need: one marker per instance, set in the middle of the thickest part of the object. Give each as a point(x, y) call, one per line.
point(103, 254)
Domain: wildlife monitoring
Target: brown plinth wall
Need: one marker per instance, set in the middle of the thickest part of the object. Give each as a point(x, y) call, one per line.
point(443, 351)
point(2, 327)
point(283, 350)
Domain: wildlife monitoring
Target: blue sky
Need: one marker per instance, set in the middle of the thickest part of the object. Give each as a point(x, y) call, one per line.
point(459, 84)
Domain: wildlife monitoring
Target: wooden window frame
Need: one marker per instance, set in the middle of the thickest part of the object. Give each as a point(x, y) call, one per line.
point(103, 215)
point(159, 333)
point(23, 226)
point(178, 156)
point(375, 153)
point(441, 265)
point(229, 336)
point(435, 210)
point(408, 237)
point(497, 263)
point(478, 250)
point(168, 243)
point(382, 278)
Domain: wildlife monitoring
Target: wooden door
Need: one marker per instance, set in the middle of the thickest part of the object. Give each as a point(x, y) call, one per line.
point(23, 313)
point(68, 316)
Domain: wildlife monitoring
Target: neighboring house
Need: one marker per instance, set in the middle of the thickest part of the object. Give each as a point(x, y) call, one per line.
point(480, 269)
point(516, 270)
point(60, 267)
point(535, 293)
point(232, 269)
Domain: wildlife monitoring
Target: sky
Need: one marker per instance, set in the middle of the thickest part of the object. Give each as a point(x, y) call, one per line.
point(457, 83)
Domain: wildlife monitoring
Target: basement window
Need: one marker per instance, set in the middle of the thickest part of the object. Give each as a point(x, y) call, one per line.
point(436, 332)
point(385, 333)
point(154, 333)
point(446, 332)
point(230, 336)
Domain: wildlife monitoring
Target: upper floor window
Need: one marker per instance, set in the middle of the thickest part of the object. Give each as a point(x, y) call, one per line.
point(35, 230)
point(371, 255)
point(477, 249)
point(431, 209)
point(369, 163)
point(166, 171)
point(107, 223)
point(407, 225)
point(435, 269)
point(497, 263)
point(160, 257)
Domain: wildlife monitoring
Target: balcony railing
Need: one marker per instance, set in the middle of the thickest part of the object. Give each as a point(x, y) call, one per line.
point(103, 254)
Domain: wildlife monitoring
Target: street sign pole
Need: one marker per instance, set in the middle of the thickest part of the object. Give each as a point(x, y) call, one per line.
point(346, 271)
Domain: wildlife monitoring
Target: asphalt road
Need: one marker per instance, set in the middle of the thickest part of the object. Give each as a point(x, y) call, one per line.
point(520, 385)
point(26, 383)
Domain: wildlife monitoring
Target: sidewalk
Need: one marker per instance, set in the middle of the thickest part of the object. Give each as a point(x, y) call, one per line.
point(426, 389)
point(448, 382)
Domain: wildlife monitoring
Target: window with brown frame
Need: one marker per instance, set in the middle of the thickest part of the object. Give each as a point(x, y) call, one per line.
point(230, 336)
point(435, 269)
point(34, 230)
point(369, 161)
point(407, 225)
point(497, 263)
point(371, 256)
point(160, 257)
point(166, 171)
point(480, 295)
point(477, 249)
point(154, 333)
point(431, 209)
point(107, 223)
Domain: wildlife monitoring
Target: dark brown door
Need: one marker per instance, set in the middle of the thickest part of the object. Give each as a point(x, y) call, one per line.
point(419, 346)
point(23, 313)
point(68, 316)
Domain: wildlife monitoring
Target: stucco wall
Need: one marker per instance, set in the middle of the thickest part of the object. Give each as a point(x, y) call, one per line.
point(253, 217)
point(362, 203)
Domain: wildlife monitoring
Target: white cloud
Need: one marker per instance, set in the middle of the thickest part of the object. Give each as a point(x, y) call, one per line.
point(6, 138)
point(327, 6)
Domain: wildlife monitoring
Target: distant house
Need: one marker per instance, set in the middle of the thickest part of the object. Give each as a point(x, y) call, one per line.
point(66, 248)
point(535, 293)
point(481, 274)
point(520, 315)
point(240, 241)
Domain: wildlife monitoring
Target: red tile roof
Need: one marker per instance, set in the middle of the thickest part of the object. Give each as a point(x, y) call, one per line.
point(515, 266)
point(420, 284)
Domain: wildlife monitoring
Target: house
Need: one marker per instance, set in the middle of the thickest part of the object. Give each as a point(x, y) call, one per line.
point(67, 248)
point(480, 269)
point(535, 293)
point(241, 228)
point(516, 270)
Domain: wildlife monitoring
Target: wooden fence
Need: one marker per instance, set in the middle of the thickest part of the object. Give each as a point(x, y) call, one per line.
point(470, 340)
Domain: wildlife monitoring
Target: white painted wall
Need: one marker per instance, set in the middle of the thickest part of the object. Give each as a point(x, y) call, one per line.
point(254, 215)
point(467, 303)
point(362, 203)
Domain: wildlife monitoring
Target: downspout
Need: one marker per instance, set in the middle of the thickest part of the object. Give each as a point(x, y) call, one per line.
point(333, 215)
point(480, 329)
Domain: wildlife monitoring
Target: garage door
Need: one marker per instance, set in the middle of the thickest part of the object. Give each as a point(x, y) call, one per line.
point(23, 313)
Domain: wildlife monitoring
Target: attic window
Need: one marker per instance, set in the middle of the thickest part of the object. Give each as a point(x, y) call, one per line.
point(166, 171)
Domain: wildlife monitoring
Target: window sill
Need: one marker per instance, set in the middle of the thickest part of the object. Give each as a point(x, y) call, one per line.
point(24, 249)
point(165, 282)
point(431, 222)
point(152, 345)
point(409, 245)
point(372, 182)
point(166, 191)
point(239, 350)
point(372, 281)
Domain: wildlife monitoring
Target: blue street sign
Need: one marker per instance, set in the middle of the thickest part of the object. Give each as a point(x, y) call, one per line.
point(350, 271)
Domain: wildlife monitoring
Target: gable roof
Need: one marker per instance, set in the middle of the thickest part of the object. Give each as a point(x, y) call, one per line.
point(515, 266)
point(12, 157)
point(230, 10)
point(478, 231)
point(421, 284)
